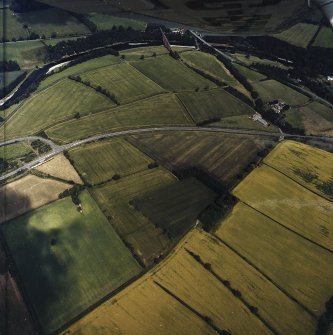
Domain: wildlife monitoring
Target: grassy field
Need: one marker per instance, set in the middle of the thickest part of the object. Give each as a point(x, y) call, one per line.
point(124, 81)
point(52, 21)
point(27, 54)
point(308, 166)
point(209, 64)
point(60, 102)
point(16, 150)
point(243, 122)
point(288, 203)
point(214, 103)
point(9, 77)
point(89, 65)
point(270, 90)
point(214, 153)
point(105, 22)
point(179, 293)
point(27, 194)
point(284, 315)
point(250, 75)
point(14, 28)
point(99, 162)
point(254, 59)
point(56, 259)
point(144, 113)
point(115, 199)
point(60, 167)
point(176, 207)
point(324, 38)
point(171, 74)
point(299, 35)
point(296, 265)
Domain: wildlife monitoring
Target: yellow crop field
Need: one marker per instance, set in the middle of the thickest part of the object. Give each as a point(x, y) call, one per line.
point(311, 167)
point(300, 268)
point(178, 295)
point(290, 204)
point(26, 194)
point(61, 168)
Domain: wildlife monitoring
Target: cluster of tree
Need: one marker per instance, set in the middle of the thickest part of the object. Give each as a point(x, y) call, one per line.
point(10, 86)
point(239, 95)
point(3, 165)
point(74, 193)
point(325, 322)
point(22, 6)
point(40, 147)
point(84, 19)
point(9, 66)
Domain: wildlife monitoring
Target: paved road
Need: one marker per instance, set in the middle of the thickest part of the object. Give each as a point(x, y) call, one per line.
point(56, 149)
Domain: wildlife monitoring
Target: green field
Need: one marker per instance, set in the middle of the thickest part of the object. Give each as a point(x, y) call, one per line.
point(57, 103)
point(215, 153)
point(308, 166)
point(27, 54)
point(89, 65)
point(176, 207)
point(270, 90)
point(170, 74)
point(298, 266)
point(105, 22)
point(68, 260)
point(116, 201)
point(299, 35)
point(16, 150)
point(254, 59)
point(99, 162)
point(14, 28)
point(8, 77)
point(289, 204)
point(214, 103)
point(209, 64)
point(124, 81)
point(250, 75)
point(144, 113)
point(324, 38)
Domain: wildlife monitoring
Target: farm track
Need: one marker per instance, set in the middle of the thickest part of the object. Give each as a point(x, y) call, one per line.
point(56, 149)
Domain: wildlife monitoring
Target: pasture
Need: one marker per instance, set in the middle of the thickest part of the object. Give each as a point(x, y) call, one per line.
point(161, 110)
point(308, 166)
point(124, 81)
point(289, 204)
point(214, 153)
point(213, 103)
point(209, 64)
point(175, 208)
point(105, 22)
point(60, 167)
point(324, 38)
point(299, 35)
point(56, 259)
point(8, 78)
point(250, 75)
point(13, 29)
point(116, 201)
point(99, 162)
point(291, 262)
point(170, 74)
point(27, 194)
point(270, 90)
point(16, 150)
point(254, 59)
point(58, 103)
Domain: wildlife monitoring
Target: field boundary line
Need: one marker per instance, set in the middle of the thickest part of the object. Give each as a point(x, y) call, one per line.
point(187, 306)
point(279, 287)
point(230, 288)
point(295, 181)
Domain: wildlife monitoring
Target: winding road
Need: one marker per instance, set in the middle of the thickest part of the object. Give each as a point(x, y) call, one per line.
point(57, 149)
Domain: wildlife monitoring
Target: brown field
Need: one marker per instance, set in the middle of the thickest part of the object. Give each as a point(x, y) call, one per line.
point(14, 316)
point(61, 168)
point(26, 194)
point(216, 153)
point(178, 295)
point(116, 201)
